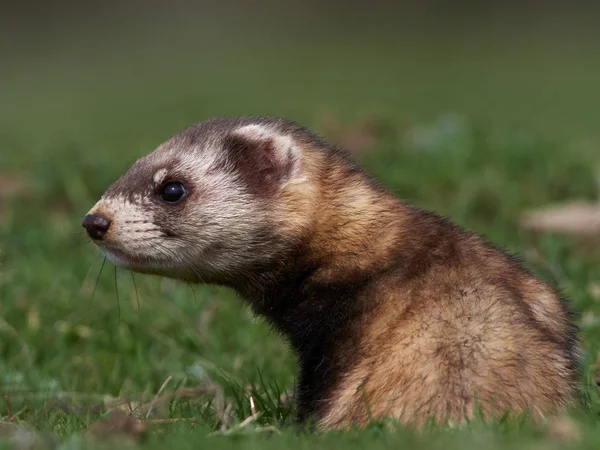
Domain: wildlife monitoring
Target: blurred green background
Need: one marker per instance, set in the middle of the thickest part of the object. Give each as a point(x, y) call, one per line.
point(483, 110)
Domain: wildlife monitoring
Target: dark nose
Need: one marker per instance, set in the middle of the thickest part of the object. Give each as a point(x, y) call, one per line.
point(96, 226)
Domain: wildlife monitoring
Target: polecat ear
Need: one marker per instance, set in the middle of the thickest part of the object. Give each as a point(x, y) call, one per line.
point(264, 159)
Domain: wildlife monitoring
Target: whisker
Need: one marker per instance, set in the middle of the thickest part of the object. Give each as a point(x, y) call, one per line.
point(165, 250)
point(191, 286)
point(88, 272)
point(137, 295)
point(98, 278)
point(118, 300)
point(198, 275)
point(79, 243)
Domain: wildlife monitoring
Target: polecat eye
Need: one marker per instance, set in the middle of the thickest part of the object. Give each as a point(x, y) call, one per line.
point(172, 192)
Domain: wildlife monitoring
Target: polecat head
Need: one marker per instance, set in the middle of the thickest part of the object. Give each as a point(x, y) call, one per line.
point(207, 203)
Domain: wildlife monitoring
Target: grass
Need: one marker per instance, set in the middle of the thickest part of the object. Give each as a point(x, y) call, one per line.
point(77, 342)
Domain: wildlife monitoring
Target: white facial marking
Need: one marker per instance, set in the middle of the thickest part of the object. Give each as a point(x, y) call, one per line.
point(159, 176)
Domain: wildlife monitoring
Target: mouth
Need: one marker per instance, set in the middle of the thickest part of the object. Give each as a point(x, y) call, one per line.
point(126, 261)
point(118, 257)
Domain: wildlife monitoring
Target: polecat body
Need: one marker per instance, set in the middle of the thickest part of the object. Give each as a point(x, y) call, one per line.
point(391, 310)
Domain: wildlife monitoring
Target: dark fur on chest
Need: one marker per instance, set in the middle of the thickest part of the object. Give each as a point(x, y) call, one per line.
point(318, 318)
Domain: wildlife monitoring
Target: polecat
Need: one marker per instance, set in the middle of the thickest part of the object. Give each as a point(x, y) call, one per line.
point(392, 310)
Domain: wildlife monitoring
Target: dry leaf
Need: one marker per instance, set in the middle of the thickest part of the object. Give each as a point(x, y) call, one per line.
point(589, 319)
point(594, 290)
point(357, 138)
point(7, 428)
point(118, 424)
point(205, 319)
point(33, 319)
point(563, 428)
point(11, 186)
point(575, 218)
point(22, 437)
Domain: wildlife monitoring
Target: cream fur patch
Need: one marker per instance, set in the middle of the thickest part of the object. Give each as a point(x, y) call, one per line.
point(159, 176)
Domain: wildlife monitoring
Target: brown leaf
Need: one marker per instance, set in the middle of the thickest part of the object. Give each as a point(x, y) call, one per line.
point(7, 428)
point(12, 185)
point(575, 218)
point(118, 424)
point(205, 391)
point(594, 290)
point(205, 319)
point(563, 429)
point(589, 319)
point(357, 138)
point(22, 437)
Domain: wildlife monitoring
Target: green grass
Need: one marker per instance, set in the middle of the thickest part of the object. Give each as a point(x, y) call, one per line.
point(73, 119)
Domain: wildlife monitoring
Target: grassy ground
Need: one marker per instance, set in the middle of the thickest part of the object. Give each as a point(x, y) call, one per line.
point(77, 111)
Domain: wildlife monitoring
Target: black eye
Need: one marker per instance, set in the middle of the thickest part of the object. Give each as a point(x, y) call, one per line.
point(172, 192)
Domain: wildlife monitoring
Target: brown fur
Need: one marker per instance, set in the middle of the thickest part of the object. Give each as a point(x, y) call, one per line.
point(393, 310)
point(443, 319)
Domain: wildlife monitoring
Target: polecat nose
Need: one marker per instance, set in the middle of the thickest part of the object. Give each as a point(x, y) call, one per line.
point(96, 225)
